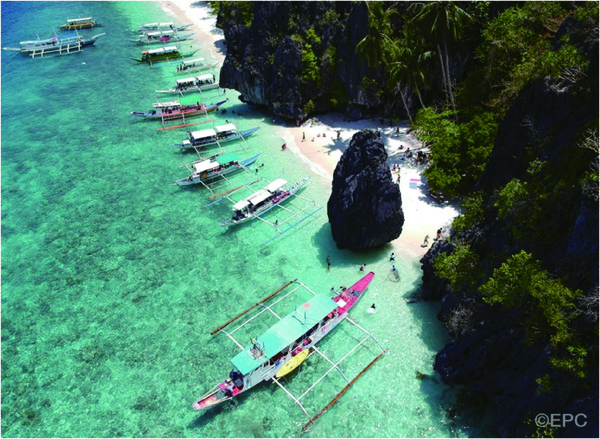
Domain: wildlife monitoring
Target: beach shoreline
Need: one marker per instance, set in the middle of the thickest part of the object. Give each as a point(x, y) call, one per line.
point(319, 143)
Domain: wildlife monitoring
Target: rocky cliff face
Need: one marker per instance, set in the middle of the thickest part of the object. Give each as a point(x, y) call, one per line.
point(268, 62)
point(491, 354)
point(365, 207)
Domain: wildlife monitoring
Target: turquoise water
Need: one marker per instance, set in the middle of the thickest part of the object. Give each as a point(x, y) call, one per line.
point(112, 278)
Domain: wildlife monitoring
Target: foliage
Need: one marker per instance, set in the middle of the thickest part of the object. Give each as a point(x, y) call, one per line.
point(311, 70)
point(521, 282)
point(309, 107)
point(375, 46)
point(460, 268)
point(472, 212)
point(240, 12)
point(459, 152)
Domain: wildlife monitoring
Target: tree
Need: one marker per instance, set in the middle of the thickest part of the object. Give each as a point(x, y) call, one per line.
point(377, 44)
point(443, 20)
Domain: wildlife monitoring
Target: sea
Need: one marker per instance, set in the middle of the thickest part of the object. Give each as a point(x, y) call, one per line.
point(113, 277)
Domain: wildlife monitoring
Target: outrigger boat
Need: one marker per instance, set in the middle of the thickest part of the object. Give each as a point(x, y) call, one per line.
point(289, 342)
point(170, 53)
point(263, 200)
point(174, 110)
point(57, 45)
point(160, 26)
point(220, 134)
point(193, 84)
point(160, 37)
point(80, 23)
point(195, 65)
point(202, 171)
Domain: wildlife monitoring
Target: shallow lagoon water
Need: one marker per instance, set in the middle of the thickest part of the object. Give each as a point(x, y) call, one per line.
point(112, 278)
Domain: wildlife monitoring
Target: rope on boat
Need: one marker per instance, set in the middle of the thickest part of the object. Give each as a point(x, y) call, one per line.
point(339, 395)
point(214, 331)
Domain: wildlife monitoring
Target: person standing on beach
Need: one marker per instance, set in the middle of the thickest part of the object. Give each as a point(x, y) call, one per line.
point(303, 136)
point(392, 257)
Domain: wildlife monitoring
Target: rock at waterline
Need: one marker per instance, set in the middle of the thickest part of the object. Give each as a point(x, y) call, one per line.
point(365, 207)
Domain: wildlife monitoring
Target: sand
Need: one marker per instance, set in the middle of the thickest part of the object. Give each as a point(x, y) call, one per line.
point(326, 137)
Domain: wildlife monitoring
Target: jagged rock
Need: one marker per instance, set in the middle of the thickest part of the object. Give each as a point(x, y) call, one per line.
point(365, 207)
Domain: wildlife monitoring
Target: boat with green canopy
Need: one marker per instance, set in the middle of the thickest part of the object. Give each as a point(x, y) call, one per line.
point(282, 348)
point(169, 53)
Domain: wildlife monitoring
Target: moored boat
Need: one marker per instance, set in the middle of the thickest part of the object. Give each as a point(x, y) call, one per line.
point(216, 166)
point(195, 65)
point(263, 200)
point(160, 37)
point(220, 134)
point(174, 109)
point(293, 335)
point(164, 54)
point(162, 26)
point(192, 84)
point(57, 45)
point(80, 23)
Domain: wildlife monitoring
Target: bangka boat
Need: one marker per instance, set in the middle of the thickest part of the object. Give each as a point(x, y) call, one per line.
point(286, 344)
point(192, 84)
point(263, 200)
point(195, 65)
point(164, 54)
point(57, 45)
point(174, 109)
point(80, 23)
point(202, 171)
point(160, 37)
point(220, 134)
point(162, 26)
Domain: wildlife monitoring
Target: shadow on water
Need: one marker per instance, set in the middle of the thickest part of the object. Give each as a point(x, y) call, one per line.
point(323, 241)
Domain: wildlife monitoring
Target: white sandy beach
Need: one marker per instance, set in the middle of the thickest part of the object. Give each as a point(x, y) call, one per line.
point(322, 149)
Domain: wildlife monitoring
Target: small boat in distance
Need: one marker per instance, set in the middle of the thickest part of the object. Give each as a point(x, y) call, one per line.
point(80, 23)
point(287, 341)
point(57, 45)
point(193, 84)
point(161, 26)
point(174, 110)
point(160, 37)
point(195, 65)
point(220, 134)
point(216, 166)
point(263, 200)
point(170, 53)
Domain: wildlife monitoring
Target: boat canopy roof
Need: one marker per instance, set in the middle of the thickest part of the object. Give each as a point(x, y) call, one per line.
point(192, 61)
point(285, 332)
point(241, 204)
point(77, 20)
point(259, 196)
point(205, 77)
point(166, 104)
point(185, 80)
point(162, 50)
point(225, 128)
point(160, 32)
point(197, 135)
point(156, 24)
point(227, 158)
point(274, 185)
point(205, 165)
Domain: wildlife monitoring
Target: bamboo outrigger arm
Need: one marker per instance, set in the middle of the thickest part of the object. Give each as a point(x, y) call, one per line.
point(214, 331)
point(339, 395)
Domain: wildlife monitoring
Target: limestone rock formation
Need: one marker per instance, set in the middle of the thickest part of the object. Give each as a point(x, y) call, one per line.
point(365, 207)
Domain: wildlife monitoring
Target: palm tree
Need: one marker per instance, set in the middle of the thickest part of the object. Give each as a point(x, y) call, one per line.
point(407, 65)
point(375, 46)
point(443, 20)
